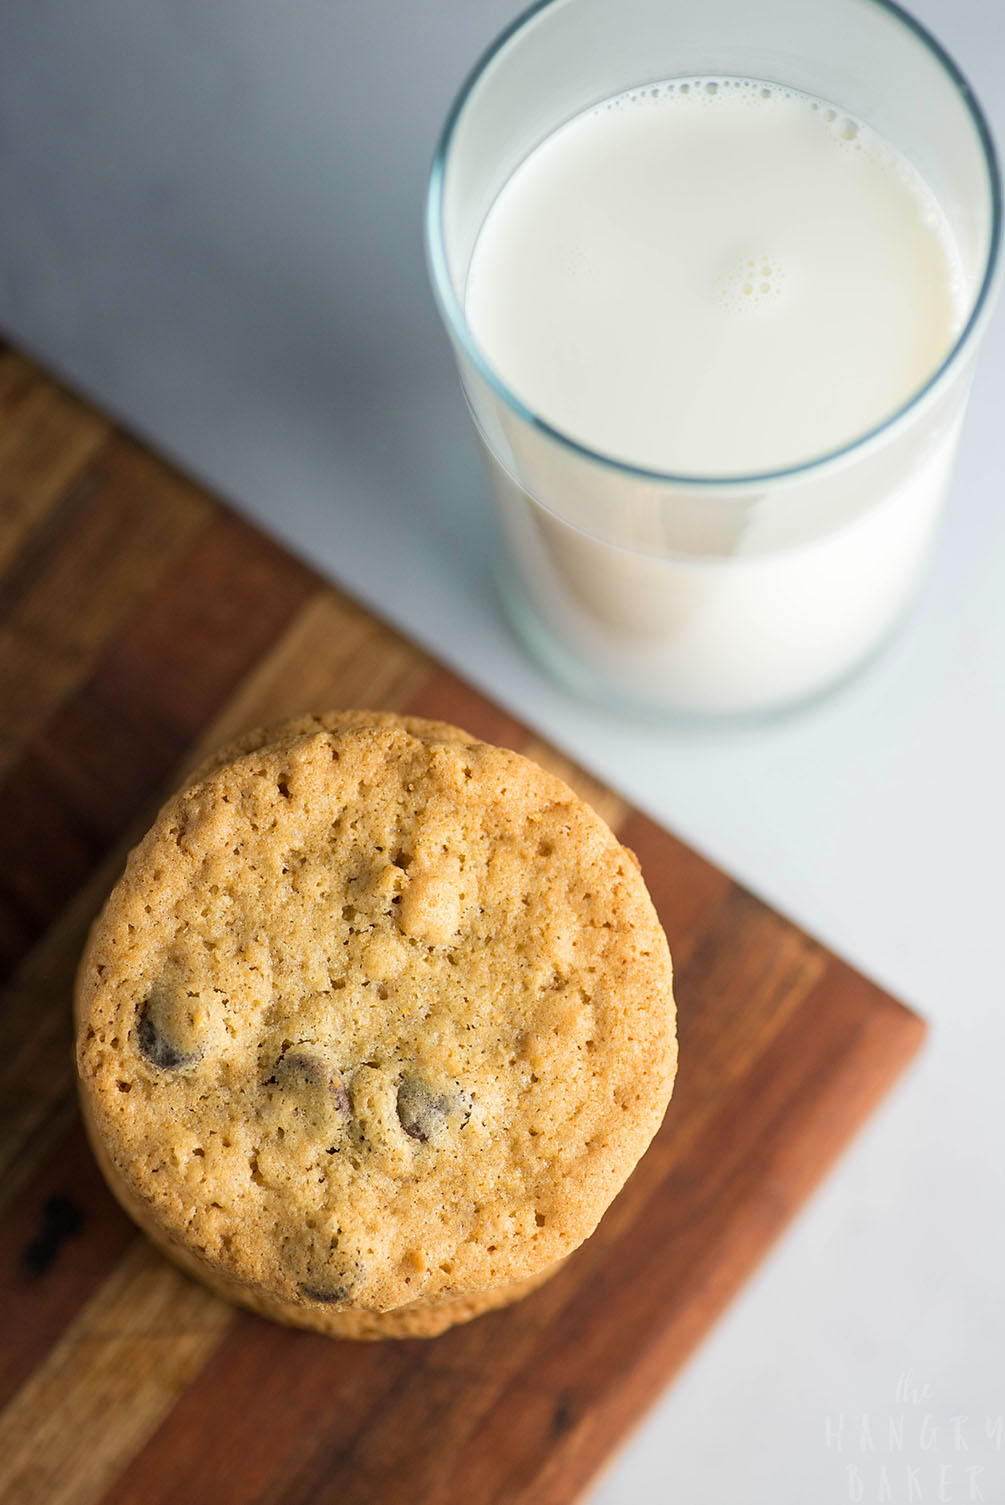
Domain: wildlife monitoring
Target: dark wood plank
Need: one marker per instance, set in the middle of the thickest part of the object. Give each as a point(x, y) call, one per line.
point(58, 1241)
point(108, 1381)
point(47, 439)
point(283, 1389)
point(80, 575)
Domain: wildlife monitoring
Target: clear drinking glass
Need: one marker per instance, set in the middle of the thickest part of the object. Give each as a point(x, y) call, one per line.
point(699, 593)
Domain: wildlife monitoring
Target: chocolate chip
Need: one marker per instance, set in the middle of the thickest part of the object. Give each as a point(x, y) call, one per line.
point(157, 1048)
point(324, 1295)
point(422, 1112)
point(306, 1071)
point(330, 1277)
point(300, 1067)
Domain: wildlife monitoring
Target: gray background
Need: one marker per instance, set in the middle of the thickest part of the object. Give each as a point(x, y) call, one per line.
point(210, 220)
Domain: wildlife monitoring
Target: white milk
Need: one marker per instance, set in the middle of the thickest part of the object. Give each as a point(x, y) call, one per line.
point(716, 278)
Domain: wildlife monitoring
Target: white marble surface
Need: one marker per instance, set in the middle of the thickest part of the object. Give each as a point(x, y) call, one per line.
point(209, 219)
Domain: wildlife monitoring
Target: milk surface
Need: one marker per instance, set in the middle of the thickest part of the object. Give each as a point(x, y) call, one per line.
point(714, 276)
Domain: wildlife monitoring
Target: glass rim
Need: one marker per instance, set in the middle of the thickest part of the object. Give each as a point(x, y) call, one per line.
point(452, 311)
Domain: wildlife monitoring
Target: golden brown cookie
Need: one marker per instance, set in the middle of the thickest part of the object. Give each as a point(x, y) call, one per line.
point(275, 732)
point(417, 1321)
point(372, 1021)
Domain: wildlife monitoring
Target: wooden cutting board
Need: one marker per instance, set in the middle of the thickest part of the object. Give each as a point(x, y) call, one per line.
point(141, 623)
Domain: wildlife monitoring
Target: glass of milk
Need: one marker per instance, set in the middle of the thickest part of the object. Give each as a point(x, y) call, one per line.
point(715, 275)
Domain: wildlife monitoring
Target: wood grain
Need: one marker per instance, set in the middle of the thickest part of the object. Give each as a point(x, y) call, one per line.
point(126, 1356)
point(141, 625)
point(74, 587)
point(47, 439)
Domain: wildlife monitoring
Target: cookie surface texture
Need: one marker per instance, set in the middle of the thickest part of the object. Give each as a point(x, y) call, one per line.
point(274, 733)
point(373, 1021)
point(420, 1320)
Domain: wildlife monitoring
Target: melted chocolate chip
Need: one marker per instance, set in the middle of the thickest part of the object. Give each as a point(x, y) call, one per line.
point(300, 1067)
point(304, 1070)
point(157, 1048)
point(422, 1112)
point(330, 1278)
point(324, 1295)
point(341, 1096)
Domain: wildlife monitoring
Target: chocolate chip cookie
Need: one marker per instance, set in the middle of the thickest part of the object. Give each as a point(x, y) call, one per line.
point(375, 1021)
